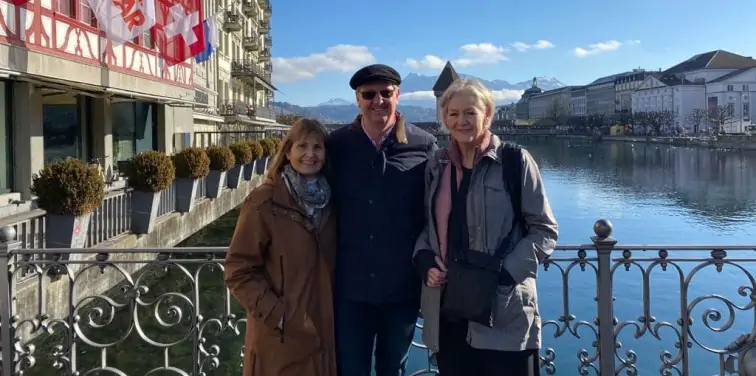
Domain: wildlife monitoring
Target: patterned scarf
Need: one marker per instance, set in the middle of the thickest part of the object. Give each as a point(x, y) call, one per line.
point(311, 194)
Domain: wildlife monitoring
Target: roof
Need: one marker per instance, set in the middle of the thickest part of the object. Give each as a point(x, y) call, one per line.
point(445, 79)
point(718, 59)
point(556, 91)
point(731, 74)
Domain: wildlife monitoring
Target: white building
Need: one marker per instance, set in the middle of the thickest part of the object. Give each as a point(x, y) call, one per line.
point(578, 102)
point(705, 81)
point(551, 104)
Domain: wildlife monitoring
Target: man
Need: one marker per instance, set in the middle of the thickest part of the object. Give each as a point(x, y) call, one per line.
point(378, 164)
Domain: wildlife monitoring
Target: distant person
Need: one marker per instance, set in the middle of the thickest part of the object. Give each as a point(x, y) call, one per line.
point(378, 166)
point(281, 260)
point(490, 224)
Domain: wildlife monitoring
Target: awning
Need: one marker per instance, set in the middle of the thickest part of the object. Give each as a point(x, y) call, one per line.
point(4, 73)
point(208, 117)
point(63, 85)
point(174, 102)
point(267, 85)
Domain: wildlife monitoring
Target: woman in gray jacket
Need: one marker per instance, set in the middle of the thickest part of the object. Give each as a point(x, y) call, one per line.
point(489, 225)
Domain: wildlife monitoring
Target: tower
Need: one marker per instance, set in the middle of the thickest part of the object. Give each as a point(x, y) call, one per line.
point(445, 79)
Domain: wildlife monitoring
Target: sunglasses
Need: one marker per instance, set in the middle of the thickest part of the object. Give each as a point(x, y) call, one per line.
point(369, 95)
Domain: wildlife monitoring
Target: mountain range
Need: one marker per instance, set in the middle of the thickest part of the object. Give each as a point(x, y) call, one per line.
point(417, 107)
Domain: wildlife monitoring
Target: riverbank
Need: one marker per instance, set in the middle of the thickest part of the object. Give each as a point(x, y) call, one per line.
point(735, 143)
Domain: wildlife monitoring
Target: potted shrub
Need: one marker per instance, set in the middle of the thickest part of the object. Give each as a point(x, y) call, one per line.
point(69, 190)
point(221, 160)
point(269, 150)
point(150, 173)
point(242, 156)
point(256, 152)
point(192, 164)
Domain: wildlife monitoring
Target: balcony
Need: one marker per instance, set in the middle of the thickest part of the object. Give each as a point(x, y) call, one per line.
point(268, 41)
point(250, 44)
point(264, 112)
point(268, 11)
point(263, 3)
point(264, 27)
point(249, 8)
point(265, 55)
point(247, 70)
point(232, 22)
point(174, 302)
point(232, 109)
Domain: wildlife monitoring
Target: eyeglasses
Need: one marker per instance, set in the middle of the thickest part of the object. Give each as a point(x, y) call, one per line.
point(369, 95)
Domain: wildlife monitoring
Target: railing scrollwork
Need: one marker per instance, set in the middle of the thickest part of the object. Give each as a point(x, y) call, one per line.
point(173, 303)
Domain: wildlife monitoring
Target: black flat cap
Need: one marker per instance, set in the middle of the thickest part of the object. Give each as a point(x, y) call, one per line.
point(373, 73)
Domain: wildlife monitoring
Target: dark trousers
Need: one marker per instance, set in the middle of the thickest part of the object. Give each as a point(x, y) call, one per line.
point(458, 358)
point(363, 327)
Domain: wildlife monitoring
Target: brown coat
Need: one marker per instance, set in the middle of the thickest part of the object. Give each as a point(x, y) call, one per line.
point(278, 266)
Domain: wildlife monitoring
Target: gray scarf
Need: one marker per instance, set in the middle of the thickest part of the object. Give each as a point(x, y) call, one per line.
point(311, 194)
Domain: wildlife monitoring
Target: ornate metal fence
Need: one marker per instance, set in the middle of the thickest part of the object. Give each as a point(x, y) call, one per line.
point(167, 311)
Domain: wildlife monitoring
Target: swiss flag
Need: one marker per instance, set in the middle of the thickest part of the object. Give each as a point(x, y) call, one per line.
point(178, 31)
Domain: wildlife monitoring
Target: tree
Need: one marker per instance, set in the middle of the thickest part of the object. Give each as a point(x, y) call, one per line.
point(557, 112)
point(287, 119)
point(696, 118)
point(719, 116)
point(658, 120)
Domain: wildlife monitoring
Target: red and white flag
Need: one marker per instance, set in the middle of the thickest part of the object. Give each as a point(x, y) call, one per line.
point(178, 32)
point(123, 20)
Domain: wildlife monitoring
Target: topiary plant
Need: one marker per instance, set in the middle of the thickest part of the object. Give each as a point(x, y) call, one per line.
point(69, 187)
point(150, 171)
point(279, 144)
point(221, 158)
point(269, 147)
point(256, 149)
point(242, 152)
point(191, 163)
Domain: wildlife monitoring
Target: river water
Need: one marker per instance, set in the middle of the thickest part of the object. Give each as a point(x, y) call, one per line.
point(653, 194)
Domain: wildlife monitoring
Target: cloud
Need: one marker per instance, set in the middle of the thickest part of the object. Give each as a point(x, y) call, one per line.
point(338, 58)
point(502, 96)
point(600, 47)
point(469, 54)
point(538, 45)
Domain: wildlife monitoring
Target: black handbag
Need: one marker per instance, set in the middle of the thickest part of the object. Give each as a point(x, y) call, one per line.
point(472, 277)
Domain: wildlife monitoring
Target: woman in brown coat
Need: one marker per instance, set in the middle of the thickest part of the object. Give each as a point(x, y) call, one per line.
point(281, 259)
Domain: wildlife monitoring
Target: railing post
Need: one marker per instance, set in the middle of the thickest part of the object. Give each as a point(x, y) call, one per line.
point(8, 244)
point(606, 342)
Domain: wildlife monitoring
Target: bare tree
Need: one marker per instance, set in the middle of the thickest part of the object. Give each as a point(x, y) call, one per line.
point(557, 112)
point(719, 116)
point(658, 120)
point(696, 118)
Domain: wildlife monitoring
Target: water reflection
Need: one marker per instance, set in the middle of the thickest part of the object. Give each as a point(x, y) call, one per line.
point(714, 184)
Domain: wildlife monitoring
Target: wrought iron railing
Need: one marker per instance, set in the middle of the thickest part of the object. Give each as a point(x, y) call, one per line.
point(174, 302)
point(226, 138)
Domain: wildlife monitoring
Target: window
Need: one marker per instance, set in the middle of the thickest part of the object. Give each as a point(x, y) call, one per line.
point(745, 88)
point(64, 7)
point(746, 108)
point(147, 41)
point(62, 127)
point(730, 88)
point(134, 129)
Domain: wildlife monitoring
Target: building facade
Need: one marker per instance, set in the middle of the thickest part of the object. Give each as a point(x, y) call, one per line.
point(694, 88)
point(522, 107)
point(578, 101)
point(235, 85)
point(551, 104)
point(624, 86)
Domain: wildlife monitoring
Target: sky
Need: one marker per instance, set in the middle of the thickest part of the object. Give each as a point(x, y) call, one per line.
point(318, 45)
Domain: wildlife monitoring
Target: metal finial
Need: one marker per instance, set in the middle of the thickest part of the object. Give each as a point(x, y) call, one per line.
point(603, 228)
point(7, 234)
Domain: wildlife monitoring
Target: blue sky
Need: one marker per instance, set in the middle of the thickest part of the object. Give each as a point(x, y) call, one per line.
point(317, 45)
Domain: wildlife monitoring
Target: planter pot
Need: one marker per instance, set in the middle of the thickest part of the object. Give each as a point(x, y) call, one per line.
point(66, 231)
point(144, 208)
point(186, 193)
point(249, 170)
point(235, 176)
point(262, 165)
point(215, 182)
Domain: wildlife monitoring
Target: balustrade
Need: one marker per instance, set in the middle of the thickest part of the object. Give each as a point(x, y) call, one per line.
point(169, 310)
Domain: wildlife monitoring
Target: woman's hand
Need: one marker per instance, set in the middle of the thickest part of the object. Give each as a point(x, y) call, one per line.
point(437, 275)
